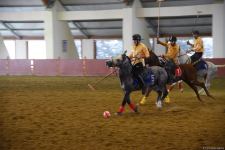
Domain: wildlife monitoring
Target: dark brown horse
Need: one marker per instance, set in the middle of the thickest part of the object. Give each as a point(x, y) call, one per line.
point(153, 60)
point(189, 76)
point(189, 73)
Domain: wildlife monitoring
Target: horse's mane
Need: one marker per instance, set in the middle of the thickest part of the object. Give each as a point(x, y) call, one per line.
point(128, 59)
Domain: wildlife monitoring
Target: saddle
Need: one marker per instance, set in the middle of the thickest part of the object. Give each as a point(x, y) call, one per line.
point(200, 65)
point(147, 77)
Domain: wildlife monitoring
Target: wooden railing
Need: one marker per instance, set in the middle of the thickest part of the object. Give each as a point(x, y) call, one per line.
point(68, 67)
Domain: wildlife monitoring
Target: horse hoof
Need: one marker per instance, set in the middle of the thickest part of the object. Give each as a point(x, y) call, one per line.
point(136, 109)
point(182, 90)
point(159, 104)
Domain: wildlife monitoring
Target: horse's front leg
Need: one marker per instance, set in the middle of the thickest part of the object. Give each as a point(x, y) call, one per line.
point(126, 99)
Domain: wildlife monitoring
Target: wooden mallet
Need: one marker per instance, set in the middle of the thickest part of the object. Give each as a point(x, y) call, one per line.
point(94, 84)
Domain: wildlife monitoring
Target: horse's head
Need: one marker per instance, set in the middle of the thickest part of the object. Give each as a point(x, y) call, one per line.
point(121, 61)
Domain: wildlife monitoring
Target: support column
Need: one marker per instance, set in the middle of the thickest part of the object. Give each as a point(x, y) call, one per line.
point(218, 31)
point(3, 51)
point(133, 25)
point(59, 39)
point(88, 49)
point(21, 49)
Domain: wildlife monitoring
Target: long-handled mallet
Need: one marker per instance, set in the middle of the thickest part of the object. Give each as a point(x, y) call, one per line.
point(94, 84)
point(159, 1)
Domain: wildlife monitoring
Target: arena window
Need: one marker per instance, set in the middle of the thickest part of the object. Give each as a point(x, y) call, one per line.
point(78, 46)
point(108, 48)
point(36, 49)
point(11, 48)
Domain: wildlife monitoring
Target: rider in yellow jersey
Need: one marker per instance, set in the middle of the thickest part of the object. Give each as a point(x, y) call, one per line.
point(197, 47)
point(173, 49)
point(172, 53)
point(138, 54)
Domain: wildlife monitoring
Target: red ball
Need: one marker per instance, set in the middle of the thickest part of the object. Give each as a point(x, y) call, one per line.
point(106, 114)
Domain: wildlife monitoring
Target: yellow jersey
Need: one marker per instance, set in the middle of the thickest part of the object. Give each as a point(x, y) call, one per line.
point(198, 45)
point(172, 52)
point(138, 53)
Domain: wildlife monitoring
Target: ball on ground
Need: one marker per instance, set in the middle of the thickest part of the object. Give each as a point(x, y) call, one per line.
point(106, 114)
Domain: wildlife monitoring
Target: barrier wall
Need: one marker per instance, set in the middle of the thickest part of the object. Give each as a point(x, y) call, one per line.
point(54, 67)
point(68, 67)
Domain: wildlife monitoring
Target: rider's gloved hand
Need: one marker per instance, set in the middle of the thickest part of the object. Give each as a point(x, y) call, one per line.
point(138, 56)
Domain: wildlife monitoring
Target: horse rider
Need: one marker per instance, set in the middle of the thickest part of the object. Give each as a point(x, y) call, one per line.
point(197, 47)
point(172, 53)
point(138, 54)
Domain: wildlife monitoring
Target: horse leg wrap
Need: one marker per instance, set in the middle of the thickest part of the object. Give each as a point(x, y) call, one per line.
point(121, 109)
point(133, 107)
point(143, 100)
point(180, 85)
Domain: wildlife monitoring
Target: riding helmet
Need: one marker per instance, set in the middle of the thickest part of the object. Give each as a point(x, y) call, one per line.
point(196, 32)
point(173, 39)
point(137, 37)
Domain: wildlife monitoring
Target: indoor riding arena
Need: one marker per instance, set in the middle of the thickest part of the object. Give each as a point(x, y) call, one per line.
point(76, 74)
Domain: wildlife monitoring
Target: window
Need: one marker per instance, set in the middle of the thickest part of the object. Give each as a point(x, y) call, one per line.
point(78, 46)
point(11, 48)
point(208, 46)
point(151, 43)
point(108, 48)
point(36, 49)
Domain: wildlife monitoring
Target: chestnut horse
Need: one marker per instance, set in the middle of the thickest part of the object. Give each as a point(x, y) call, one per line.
point(189, 74)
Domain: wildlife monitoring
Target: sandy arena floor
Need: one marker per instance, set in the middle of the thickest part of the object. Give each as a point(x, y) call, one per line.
point(61, 113)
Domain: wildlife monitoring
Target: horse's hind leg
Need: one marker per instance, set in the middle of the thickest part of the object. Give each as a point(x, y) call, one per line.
point(159, 99)
point(203, 86)
point(164, 93)
point(194, 88)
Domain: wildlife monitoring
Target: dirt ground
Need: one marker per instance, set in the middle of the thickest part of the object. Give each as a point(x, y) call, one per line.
point(61, 113)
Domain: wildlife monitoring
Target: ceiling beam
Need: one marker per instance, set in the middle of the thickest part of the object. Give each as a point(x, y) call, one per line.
point(13, 6)
point(13, 32)
point(84, 4)
point(116, 14)
point(76, 24)
point(181, 17)
point(178, 11)
point(152, 26)
point(186, 25)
